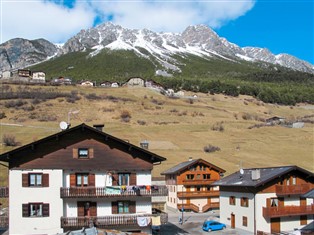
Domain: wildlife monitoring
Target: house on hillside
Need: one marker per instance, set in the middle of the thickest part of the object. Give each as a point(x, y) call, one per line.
point(154, 85)
point(267, 200)
point(86, 83)
point(82, 177)
point(24, 73)
point(109, 84)
point(190, 186)
point(274, 120)
point(136, 81)
point(39, 76)
point(61, 81)
point(6, 74)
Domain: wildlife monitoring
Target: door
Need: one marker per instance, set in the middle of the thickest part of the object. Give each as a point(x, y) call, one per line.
point(275, 225)
point(232, 220)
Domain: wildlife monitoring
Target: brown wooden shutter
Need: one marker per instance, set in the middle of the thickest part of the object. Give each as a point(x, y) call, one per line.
point(80, 208)
point(90, 153)
point(93, 209)
point(25, 210)
point(133, 179)
point(132, 207)
point(114, 207)
point(115, 179)
point(72, 180)
point(91, 180)
point(268, 202)
point(45, 210)
point(45, 180)
point(281, 202)
point(25, 180)
point(75, 153)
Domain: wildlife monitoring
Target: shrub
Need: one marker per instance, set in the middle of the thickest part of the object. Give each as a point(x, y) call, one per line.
point(9, 140)
point(2, 115)
point(125, 116)
point(218, 126)
point(92, 96)
point(141, 122)
point(210, 148)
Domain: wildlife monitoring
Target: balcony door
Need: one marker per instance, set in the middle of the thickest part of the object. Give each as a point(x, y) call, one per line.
point(275, 225)
point(86, 209)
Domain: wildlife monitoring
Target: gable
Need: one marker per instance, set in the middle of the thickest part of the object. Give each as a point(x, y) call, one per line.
point(57, 152)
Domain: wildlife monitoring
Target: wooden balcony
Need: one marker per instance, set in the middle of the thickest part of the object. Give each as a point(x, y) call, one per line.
point(107, 221)
point(209, 206)
point(198, 194)
point(197, 182)
point(189, 206)
point(283, 190)
point(273, 212)
point(4, 192)
point(112, 191)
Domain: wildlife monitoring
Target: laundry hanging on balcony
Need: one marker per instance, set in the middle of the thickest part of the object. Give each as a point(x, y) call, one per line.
point(143, 221)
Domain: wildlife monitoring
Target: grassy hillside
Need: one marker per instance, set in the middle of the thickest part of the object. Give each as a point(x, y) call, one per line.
point(175, 128)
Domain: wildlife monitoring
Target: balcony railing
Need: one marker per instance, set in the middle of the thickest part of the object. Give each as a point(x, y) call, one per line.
point(282, 190)
point(273, 212)
point(108, 221)
point(112, 191)
point(4, 221)
point(198, 194)
point(197, 182)
point(209, 206)
point(4, 192)
point(189, 206)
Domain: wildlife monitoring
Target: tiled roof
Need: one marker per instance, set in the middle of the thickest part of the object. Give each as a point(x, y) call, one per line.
point(265, 175)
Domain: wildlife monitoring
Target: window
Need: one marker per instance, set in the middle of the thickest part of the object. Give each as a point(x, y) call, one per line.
point(123, 207)
point(35, 210)
point(244, 202)
point(232, 200)
point(189, 176)
point(294, 180)
point(206, 176)
point(274, 202)
point(83, 153)
point(198, 176)
point(35, 179)
point(82, 179)
point(193, 168)
point(124, 179)
point(244, 221)
point(198, 188)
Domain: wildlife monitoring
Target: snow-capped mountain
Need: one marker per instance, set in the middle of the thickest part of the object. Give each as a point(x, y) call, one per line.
point(165, 48)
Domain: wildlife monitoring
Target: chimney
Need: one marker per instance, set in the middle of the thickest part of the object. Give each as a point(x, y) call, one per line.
point(190, 159)
point(256, 174)
point(144, 144)
point(98, 127)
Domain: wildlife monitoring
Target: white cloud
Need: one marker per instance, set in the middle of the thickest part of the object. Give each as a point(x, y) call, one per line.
point(51, 20)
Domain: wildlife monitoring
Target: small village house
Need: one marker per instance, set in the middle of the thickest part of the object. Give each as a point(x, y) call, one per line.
point(86, 83)
point(39, 76)
point(267, 200)
point(190, 186)
point(136, 81)
point(81, 177)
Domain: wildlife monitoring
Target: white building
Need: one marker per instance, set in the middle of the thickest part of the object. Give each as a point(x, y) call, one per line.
point(81, 177)
point(267, 200)
point(39, 76)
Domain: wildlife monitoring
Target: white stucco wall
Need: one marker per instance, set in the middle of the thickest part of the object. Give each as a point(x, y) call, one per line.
point(143, 178)
point(19, 195)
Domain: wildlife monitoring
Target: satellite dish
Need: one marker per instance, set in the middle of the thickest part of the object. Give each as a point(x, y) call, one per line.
point(241, 171)
point(63, 125)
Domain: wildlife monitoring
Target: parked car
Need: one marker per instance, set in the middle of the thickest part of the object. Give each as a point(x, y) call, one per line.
point(211, 225)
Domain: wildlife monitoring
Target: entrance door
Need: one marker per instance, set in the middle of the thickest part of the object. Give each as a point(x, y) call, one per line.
point(232, 220)
point(275, 225)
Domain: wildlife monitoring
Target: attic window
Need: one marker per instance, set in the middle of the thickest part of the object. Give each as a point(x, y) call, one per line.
point(83, 153)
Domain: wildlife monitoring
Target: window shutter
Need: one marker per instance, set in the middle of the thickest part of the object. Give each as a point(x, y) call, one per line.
point(80, 209)
point(91, 180)
point(75, 153)
point(25, 210)
point(132, 207)
point(133, 179)
point(72, 180)
point(45, 180)
point(25, 180)
point(114, 207)
point(90, 153)
point(115, 179)
point(45, 210)
point(93, 209)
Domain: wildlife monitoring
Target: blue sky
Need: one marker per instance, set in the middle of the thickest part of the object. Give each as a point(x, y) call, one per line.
point(282, 26)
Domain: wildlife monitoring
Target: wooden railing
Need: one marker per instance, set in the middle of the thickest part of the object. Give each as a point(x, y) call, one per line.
point(107, 221)
point(4, 221)
point(273, 212)
point(189, 206)
point(4, 192)
point(95, 192)
point(198, 194)
point(197, 182)
point(209, 206)
point(282, 190)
